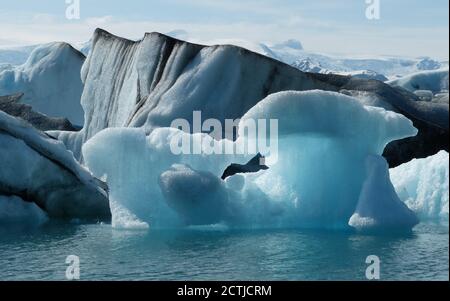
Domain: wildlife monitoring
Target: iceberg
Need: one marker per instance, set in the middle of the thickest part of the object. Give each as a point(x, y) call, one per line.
point(423, 185)
point(378, 206)
point(430, 118)
point(130, 163)
point(39, 169)
point(199, 197)
point(327, 148)
point(50, 81)
point(11, 105)
point(150, 82)
point(325, 139)
point(14, 210)
point(435, 81)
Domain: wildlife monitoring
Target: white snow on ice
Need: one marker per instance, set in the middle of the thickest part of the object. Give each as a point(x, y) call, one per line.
point(423, 185)
point(50, 80)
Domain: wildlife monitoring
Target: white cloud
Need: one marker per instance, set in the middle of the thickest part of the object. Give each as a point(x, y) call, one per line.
point(43, 19)
point(98, 21)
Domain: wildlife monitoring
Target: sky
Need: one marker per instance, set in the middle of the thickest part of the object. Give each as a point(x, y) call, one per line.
point(408, 28)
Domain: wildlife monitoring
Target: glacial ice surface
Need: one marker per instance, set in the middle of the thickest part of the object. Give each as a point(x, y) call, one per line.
point(40, 169)
point(435, 81)
point(378, 206)
point(316, 179)
point(423, 185)
point(50, 80)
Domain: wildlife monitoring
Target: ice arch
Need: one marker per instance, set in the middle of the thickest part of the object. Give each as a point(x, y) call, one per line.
point(325, 139)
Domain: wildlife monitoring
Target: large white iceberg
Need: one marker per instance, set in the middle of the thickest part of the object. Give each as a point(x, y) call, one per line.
point(50, 80)
point(325, 139)
point(423, 185)
point(324, 142)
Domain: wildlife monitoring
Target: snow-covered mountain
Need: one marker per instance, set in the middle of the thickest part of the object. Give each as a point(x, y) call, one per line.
point(49, 79)
point(380, 68)
point(383, 67)
point(307, 65)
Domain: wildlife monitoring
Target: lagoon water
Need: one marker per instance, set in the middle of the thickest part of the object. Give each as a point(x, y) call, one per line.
point(217, 253)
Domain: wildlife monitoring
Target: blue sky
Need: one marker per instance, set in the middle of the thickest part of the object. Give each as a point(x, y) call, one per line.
point(406, 27)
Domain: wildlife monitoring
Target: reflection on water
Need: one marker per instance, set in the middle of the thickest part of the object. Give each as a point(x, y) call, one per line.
point(220, 254)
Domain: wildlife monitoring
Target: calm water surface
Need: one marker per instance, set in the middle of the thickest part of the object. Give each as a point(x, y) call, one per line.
point(220, 254)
